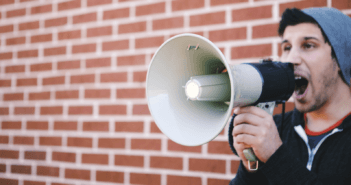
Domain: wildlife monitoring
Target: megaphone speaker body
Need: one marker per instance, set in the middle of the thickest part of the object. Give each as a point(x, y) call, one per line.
point(195, 117)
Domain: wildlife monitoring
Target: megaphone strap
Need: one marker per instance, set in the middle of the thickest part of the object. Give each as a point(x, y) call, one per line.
point(230, 135)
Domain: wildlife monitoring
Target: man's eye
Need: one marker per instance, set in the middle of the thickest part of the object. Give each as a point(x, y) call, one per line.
point(286, 48)
point(308, 45)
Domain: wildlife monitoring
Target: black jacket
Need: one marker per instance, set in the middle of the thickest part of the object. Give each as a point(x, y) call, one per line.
point(331, 163)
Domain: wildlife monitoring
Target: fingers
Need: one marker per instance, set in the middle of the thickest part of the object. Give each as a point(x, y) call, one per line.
point(247, 118)
point(245, 129)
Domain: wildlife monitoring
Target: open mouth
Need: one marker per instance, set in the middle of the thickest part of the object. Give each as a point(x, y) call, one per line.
point(300, 85)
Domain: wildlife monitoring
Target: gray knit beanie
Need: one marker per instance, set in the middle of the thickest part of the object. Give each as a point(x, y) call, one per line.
point(337, 27)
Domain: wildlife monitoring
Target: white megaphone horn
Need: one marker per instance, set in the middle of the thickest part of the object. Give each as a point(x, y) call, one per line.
point(191, 101)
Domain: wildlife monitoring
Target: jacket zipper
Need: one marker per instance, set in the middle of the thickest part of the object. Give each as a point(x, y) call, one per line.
point(311, 153)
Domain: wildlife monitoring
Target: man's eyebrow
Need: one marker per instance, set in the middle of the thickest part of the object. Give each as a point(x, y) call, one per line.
point(308, 38)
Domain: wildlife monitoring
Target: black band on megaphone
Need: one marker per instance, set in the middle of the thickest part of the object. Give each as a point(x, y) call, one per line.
point(230, 135)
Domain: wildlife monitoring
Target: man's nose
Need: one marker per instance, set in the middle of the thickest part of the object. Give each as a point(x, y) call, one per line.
point(294, 57)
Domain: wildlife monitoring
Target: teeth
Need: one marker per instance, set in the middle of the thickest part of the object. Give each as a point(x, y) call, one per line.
point(298, 77)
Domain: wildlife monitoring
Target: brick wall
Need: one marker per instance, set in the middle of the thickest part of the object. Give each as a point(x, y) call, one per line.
point(72, 87)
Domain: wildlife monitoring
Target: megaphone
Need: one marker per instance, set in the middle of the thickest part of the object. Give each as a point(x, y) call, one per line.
point(190, 99)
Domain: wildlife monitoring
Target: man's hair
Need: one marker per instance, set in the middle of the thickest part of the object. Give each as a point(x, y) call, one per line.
point(294, 16)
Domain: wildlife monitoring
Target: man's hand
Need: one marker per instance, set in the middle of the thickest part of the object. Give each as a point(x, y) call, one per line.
point(255, 128)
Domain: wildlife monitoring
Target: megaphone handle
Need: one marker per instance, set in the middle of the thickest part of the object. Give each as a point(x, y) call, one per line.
point(249, 154)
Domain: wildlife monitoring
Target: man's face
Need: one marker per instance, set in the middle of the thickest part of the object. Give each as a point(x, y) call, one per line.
point(316, 73)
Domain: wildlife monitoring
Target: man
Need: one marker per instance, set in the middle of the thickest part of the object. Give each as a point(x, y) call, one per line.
point(314, 145)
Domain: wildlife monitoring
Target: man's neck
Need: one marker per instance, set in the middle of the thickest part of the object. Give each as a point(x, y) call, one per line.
point(332, 111)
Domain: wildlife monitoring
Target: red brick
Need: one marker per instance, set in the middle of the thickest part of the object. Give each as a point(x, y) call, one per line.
point(112, 109)
point(139, 76)
point(2, 168)
point(15, 69)
point(41, 9)
point(64, 65)
point(21, 169)
point(96, 126)
point(98, 62)
point(252, 13)
point(83, 48)
point(150, 9)
point(77, 79)
point(94, 158)
point(84, 18)
point(68, 94)
point(55, 22)
point(77, 174)
point(64, 35)
point(175, 147)
point(65, 125)
point(141, 110)
point(6, 56)
point(41, 67)
point(116, 13)
point(310, 3)
point(100, 2)
point(207, 165)
point(262, 50)
point(64, 157)
point(110, 176)
point(4, 139)
point(26, 82)
point(80, 110)
point(132, 27)
point(29, 25)
point(129, 160)
point(131, 93)
point(37, 125)
point(59, 80)
point(185, 4)
point(146, 179)
point(211, 181)
point(13, 96)
point(234, 165)
point(27, 53)
point(111, 143)
point(50, 141)
point(16, 41)
point(6, 2)
point(115, 45)
point(9, 154)
point(219, 147)
point(6, 28)
point(16, 13)
point(5, 83)
point(114, 77)
point(149, 42)
point(39, 96)
point(131, 60)
point(146, 144)
point(54, 110)
point(41, 38)
point(183, 180)
point(19, 140)
point(228, 34)
point(175, 163)
point(97, 93)
point(169, 23)
point(35, 155)
point(207, 19)
point(79, 142)
point(27, 0)
point(225, 2)
point(60, 184)
point(289, 106)
point(48, 171)
point(99, 31)
point(268, 30)
point(55, 51)
point(26, 182)
point(11, 125)
point(8, 181)
point(24, 110)
point(129, 126)
point(67, 5)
